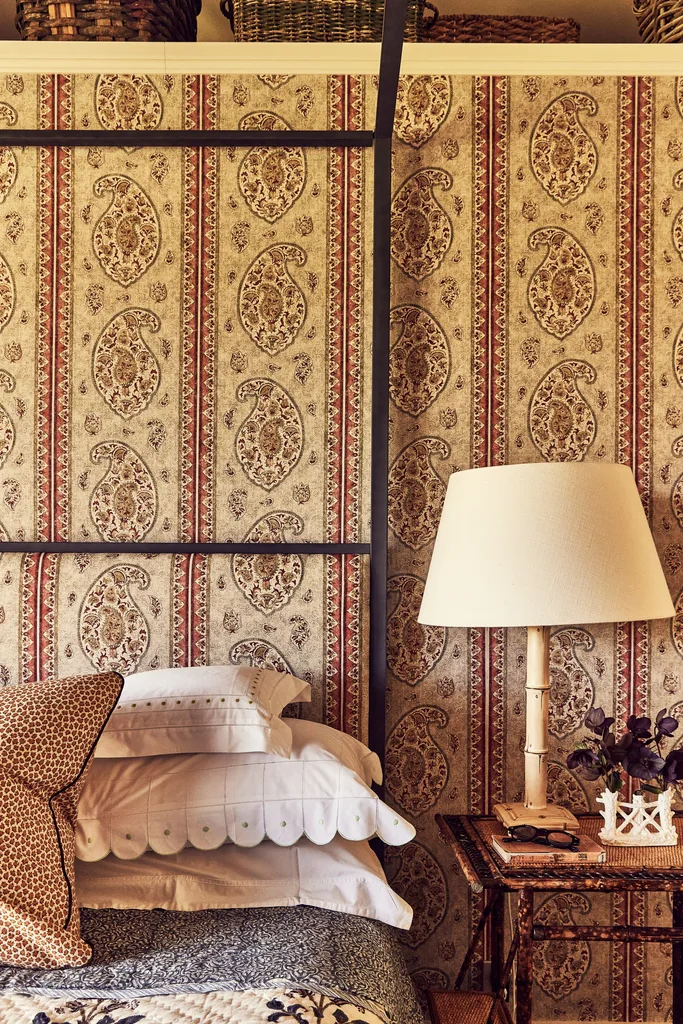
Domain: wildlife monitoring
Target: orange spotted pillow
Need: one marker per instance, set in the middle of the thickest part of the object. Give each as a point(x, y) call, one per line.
point(48, 732)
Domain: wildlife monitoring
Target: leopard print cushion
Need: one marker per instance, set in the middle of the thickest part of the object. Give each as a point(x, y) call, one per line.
point(48, 732)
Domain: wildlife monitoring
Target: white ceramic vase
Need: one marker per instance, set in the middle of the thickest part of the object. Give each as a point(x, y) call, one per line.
point(638, 823)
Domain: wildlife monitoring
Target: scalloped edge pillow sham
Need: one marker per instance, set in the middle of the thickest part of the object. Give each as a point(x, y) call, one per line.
point(202, 709)
point(204, 800)
point(342, 876)
point(48, 732)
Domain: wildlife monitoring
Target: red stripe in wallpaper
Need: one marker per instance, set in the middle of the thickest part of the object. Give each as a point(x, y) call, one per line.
point(54, 316)
point(180, 611)
point(353, 306)
point(497, 418)
point(336, 313)
point(191, 318)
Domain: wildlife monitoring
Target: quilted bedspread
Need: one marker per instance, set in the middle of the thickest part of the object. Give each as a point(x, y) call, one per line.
point(298, 964)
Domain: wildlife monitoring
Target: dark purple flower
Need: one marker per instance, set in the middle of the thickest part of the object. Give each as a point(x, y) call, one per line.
point(666, 725)
point(640, 727)
point(585, 763)
point(582, 757)
point(597, 722)
point(673, 767)
point(643, 763)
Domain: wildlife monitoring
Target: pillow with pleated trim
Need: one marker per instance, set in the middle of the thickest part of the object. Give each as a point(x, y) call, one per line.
point(342, 876)
point(202, 709)
point(48, 732)
point(163, 804)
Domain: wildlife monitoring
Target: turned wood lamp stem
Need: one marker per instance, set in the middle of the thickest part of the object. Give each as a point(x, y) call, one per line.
point(537, 708)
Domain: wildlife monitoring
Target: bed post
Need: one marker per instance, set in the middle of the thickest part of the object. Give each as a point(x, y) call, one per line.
point(390, 64)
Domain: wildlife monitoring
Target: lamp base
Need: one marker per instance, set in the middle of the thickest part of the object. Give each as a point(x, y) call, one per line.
point(553, 816)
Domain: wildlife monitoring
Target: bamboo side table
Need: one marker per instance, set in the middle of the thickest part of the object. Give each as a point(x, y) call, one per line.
point(634, 869)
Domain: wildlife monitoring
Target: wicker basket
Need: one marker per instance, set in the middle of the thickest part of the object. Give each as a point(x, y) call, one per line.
point(321, 21)
point(485, 28)
point(137, 20)
point(659, 21)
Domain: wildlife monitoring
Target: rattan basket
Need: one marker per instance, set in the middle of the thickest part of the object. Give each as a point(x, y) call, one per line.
point(321, 21)
point(489, 28)
point(128, 20)
point(659, 21)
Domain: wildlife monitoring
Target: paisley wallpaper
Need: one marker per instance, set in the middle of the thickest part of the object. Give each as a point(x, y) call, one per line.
point(182, 357)
point(537, 315)
point(184, 354)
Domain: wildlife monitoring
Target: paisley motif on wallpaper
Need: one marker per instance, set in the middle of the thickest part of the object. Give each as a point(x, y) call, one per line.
point(125, 369)
point(8, 158)
point(127, 102)
point(560, 966)
point(571, 691)
point(113, 631)
point(270, 440)
point(127, 236)
point(422, 105)
point(417, 492)
point(272, 306)
point(421, 882)
point(412, 649)
point(562, 289)
point(421, 231)
point(271, 178)
point(677, 228)
point(562, 424)
point(268, 581)
point(7, 433)
point(123, 505)
point(565, 789)
point(6, 294)
point(8, 171)
point(259, 654)
point(420, 360)
point(416, 767)
point(563, 155)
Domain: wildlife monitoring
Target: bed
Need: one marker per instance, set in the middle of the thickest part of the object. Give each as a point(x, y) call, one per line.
point(77, 604)
point(299, 964)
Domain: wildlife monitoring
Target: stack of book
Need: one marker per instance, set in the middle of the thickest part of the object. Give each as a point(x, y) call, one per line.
point(521, 854)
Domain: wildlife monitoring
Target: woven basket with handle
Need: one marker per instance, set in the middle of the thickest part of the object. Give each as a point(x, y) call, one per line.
point(489, 28)
point(319, 21)
point(128, 20)
point(659, 21)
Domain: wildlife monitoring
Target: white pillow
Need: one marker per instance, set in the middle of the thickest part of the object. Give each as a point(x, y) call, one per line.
point(341, 876)
point(201, 709)
point(129, 805)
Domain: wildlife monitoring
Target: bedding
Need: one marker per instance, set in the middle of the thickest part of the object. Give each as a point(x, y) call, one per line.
point(130, 805)
point(298, 964)
point(342, 876)
point(201, 709)
point(48, 732)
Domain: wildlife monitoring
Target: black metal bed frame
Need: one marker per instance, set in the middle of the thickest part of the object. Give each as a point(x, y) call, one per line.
point(380, 140)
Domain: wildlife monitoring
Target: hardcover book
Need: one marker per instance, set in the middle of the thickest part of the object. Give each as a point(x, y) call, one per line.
point(588, 852)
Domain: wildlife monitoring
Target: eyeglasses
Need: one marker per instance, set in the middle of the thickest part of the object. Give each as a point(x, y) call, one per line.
point(557, 838)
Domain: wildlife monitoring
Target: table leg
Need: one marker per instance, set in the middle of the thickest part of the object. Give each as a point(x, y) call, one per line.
point(677, 955)
point(497, 940)
point(525, 957)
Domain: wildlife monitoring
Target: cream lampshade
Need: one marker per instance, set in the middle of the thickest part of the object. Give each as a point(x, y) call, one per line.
point(541, 545)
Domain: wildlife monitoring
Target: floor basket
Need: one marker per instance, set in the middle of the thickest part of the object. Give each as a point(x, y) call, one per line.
point(118, 20)
point(489, 28)
point(659, 21)
point(319, 21)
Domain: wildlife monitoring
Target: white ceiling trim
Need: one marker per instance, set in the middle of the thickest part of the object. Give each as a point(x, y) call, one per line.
point(339, 58)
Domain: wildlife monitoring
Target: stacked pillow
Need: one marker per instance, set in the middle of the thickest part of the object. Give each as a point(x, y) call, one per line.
point(196, 764)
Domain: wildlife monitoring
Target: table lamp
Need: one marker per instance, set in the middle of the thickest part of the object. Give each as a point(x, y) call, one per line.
point(541, 545)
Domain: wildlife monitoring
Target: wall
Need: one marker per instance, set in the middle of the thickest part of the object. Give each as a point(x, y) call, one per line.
point(537, 293)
